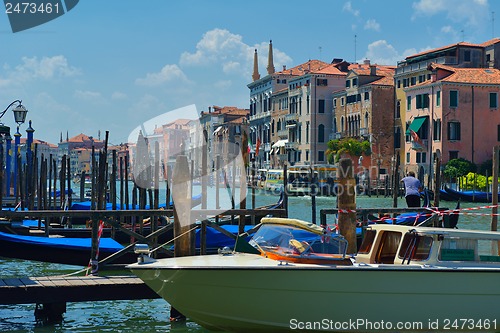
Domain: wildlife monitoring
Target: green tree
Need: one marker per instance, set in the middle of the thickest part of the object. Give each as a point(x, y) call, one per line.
point(348, 146)
point(458, 167)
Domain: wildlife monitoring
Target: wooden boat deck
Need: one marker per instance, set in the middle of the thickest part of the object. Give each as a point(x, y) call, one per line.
point(61, 289)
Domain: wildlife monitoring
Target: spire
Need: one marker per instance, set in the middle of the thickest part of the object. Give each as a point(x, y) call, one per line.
point(270, 62)
point(255, 75)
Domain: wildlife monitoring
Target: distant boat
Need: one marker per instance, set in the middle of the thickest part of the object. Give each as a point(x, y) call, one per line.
point(469, 196)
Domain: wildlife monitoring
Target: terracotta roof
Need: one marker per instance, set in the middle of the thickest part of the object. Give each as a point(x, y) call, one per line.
point(491, 42)
point(310, 66)
point(443, 48)
point(470, 75)
point(51, 145)
point(384, 81)
point(80, 138)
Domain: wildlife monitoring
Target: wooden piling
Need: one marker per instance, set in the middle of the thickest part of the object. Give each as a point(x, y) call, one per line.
point(494, 190)
point(181, 184)
point(347, 203)
point(395, 184)
point(437, 178)
point(312, 191)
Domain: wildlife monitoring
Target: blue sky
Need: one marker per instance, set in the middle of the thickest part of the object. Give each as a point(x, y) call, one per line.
point(114, 64)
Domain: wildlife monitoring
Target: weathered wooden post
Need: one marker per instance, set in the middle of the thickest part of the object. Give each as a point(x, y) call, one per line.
point(494, 190)
point(181, 185)
point(395, 185)
point(184, 239)
point(347, 203)
point(312, 191)
point(437, 178)
point(285, 190)
point(243, 180)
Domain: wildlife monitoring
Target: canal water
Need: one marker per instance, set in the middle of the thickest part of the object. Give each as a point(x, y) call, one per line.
point(148, 316)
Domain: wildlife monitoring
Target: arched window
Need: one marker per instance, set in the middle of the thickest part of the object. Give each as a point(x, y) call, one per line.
point(321, 133)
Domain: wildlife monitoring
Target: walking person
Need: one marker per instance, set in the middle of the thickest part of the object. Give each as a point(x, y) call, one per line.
point(412, 189)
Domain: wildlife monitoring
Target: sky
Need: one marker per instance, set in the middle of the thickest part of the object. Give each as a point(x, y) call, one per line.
point(111, 65)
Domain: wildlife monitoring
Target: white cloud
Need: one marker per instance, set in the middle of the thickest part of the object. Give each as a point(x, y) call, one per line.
point(227, 50)
point(45, 68)
point(382, 53)
point(166, 74)
point(348, 8)
point(223, 84)
point(87, 95)
point(472, 13)
point(32, 69)
point(372, 24)
point(117, 95)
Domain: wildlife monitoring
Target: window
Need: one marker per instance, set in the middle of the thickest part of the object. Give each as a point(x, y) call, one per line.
point(467, 55)
point(493, 100)
point(415, 247)
point(453, 154)
point(321, 156)
point(413, 80)
point(407, 136)
point(438, 98)
point(436, 130)
point(348, 83)
point(422, 101)
point(399, 83)
point(321, 133)
point(421, 157)
point(307, 132)
point(397, 138)
point(321, 82)
point(367, 96)
point(342, 101)
point(321, 106)
point(307, 155)
point(355, 82)
point(408, 103)
point(453, 98)
point(334, 102)
point(453, 131)
point(498, 132)
point(398, 109)
point(407, 157)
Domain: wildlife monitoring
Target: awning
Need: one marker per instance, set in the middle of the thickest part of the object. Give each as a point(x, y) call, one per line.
point(416, 124)
point(217, 130)
point(279, 143)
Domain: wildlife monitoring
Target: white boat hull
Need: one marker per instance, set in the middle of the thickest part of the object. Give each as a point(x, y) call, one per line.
point(245, 292)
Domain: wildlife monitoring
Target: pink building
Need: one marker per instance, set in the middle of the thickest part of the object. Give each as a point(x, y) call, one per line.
point(455, 113)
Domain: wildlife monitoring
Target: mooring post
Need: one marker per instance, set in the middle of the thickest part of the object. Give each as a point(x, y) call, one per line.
point(347, 203)
point(437, 178)
point(184, 239)
point(395, 184)
point(494, 190)
point(312, 192)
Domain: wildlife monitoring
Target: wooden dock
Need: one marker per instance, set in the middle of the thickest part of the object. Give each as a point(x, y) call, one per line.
point(51, 293)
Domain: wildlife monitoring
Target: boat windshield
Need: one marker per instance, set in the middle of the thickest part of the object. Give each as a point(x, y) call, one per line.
point(293, 240)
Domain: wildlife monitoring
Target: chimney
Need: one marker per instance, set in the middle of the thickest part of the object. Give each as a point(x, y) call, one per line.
point(373, 70)
point(366, 61)
point(270, 62)
point(284, 68)
point(255, 75)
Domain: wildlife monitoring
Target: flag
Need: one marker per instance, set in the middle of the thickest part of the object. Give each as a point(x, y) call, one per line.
point(257, 146)
point(417, 143)
point(250, 147)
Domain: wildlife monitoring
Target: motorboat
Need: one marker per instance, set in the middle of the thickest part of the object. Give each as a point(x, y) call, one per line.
point(298, 277)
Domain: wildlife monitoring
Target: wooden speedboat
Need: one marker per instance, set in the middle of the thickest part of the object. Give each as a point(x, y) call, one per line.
point(404, 278)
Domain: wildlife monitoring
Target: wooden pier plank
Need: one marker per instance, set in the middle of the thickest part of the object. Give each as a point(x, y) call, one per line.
point(54, 289)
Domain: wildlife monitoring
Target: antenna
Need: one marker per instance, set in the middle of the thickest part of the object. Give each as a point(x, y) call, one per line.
point(463, 38)
point(355, 56)
point(320, 48)
point(492, 24)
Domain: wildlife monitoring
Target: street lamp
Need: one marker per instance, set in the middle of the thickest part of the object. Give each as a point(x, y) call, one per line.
point(19, 116)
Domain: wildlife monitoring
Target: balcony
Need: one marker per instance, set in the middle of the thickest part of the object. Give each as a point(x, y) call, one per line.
point(364, 132)
point(292, 146)
point(335, 136)
point(260, 115)
point(283, 134)
point(291, 118)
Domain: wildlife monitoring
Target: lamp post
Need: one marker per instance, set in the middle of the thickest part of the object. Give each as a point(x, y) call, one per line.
point(19, 116)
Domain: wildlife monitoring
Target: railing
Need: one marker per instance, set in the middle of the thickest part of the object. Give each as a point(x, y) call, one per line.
point(291, 145)
point(291, 117)
point(283, 134)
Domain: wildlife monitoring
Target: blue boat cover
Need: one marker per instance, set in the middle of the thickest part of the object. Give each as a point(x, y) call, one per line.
point(105, 244)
